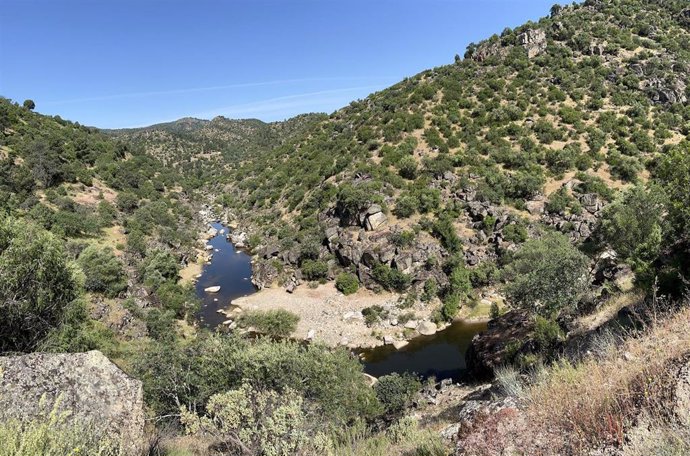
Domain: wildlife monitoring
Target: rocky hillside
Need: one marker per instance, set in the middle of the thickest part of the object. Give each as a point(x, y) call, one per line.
point(535, 129)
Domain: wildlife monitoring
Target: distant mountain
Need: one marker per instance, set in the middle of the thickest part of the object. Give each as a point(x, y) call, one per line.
point(204, 146)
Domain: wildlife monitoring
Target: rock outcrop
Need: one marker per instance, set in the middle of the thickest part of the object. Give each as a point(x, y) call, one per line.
point(534, 41)
point(495, 346)
point(93, 390)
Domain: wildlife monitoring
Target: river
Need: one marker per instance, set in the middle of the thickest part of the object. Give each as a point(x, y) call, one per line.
point(441, 355)
point(231, 269)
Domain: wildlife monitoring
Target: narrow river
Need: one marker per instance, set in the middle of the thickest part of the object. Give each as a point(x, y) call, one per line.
point(231, 269)
point(441, 355)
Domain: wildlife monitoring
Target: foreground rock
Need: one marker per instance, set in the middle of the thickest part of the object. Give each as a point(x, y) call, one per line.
point(93, 390)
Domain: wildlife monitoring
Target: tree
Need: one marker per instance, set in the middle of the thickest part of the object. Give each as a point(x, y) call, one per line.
point(396, 392)
point(29, 104)
point(36, 285)
point(103, 271)
point(632, 225)
point(673, 173)
point(547, 276)
point(159, 267)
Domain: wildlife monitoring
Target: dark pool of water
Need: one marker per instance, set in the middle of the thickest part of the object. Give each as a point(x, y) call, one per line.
point(232, 270)
point(441, 355)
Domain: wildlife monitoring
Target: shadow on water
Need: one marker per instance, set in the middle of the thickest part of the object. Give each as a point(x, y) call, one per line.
point(231, 269)
point(441, 355)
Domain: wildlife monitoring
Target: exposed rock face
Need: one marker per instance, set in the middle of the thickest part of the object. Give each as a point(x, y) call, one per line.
point(490, 349)
point(374, 221)
point(666, 92)
point(489, 49)
point(88, 385)
point(534, 41)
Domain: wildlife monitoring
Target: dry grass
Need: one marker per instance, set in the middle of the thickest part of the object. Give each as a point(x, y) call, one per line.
point(572, 408)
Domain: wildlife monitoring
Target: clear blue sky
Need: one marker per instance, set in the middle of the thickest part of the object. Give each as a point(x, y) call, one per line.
point(122, 63)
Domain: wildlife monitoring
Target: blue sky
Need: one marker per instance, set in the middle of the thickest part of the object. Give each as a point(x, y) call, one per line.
point(124, 63)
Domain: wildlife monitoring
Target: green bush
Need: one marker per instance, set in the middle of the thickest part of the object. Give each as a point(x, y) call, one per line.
point(51, 434)
point(451, 306)
point(347, 283)
point(276, 322)
point(330, 379)
point(36, 285)
point(159, 267)
point(547, 275)
point(103, 270)
point(374, 314)
point(391, 279)
point(314, 269)
point(396, 392)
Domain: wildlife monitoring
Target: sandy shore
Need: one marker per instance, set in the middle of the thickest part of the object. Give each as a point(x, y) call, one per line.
point(333, 317)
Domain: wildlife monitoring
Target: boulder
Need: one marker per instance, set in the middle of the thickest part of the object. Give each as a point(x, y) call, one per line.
point(427, 328)
point(214, 289)
point(398, 344)
point(374, 221)
point(495, 346)
point(270, 250)
point(87, 387)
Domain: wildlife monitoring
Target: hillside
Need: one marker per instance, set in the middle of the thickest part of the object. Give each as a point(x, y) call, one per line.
point(538, 128)
point(206, 148)
point(123, 222)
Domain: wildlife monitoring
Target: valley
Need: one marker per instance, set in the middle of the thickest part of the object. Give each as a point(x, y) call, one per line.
point(485, 258)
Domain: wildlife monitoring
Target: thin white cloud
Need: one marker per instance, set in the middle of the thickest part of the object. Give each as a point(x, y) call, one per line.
point(256, 108)
point(282, 107)
point(208, 89)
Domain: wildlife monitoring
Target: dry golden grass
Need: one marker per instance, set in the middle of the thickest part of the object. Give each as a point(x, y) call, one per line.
point(594, 402)
point(609, 399)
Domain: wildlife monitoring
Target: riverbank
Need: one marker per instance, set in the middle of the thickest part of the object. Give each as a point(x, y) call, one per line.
point(335, 319)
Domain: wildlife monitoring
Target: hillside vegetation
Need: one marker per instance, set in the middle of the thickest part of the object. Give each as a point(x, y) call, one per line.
point(538, 128)
point(547, 168)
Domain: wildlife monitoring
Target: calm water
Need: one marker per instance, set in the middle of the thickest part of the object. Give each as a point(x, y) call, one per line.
point(441, 355)
point(229, 268)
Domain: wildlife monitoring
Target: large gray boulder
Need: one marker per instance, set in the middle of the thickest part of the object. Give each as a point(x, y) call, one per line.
point(93, 390)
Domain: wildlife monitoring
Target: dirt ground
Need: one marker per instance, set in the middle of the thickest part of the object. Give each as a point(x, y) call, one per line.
point(324, 309)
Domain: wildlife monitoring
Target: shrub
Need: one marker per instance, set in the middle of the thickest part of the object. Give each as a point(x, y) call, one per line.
point(50, 434)
point(396, 392)
point(181, 299)
point(347, 283)
point(374, 314)
point(36, 285)
point(249, 420)
point(277, 323)
point(103, 270)
point(391, 279)
point(445, 231)
point(190, 374)
point(314, 269)
point(159, 267)
point(632, 225)
point(451, 306)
